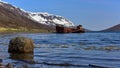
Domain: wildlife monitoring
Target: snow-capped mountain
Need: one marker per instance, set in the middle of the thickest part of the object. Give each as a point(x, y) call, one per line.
point(40, 17)
point(12, 17)
point(50, 19)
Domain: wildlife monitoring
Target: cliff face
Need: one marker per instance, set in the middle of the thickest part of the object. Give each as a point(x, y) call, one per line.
point(115, 28)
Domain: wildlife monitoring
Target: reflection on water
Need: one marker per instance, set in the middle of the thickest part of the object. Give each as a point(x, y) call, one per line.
point(67, 50)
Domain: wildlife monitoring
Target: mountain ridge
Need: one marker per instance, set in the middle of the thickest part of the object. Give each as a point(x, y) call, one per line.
point(115, 28)
point(43, 16)
point(14, 17)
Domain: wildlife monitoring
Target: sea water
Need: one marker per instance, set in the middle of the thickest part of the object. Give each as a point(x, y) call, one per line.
point(79, 50)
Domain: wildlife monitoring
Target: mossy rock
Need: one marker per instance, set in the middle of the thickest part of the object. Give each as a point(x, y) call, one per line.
point(21, 45)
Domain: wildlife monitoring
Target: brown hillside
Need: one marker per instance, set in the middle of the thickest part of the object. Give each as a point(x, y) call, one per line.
point(114, 28)
point(11, 17)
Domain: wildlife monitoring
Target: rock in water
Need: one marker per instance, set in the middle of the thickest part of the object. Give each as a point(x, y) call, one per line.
point(21, 45)
point(9, 66)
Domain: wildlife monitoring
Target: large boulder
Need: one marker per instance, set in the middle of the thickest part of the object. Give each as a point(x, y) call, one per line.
point(21, 56)
point(21, 45)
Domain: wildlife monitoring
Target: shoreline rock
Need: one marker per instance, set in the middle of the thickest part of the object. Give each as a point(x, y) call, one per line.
point(9, 65)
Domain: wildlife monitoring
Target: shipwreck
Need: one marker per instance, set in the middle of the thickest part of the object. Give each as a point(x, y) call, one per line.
point(64, 29)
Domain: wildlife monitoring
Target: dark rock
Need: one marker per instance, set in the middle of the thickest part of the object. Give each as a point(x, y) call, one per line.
point(2, 66)
point(9, 66)
point(21, 45)
point(21, 56)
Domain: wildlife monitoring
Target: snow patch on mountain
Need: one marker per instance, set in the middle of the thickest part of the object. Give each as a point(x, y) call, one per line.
point(50, 19)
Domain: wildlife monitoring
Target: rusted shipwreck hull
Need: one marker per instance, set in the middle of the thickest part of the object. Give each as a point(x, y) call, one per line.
point(63, 29)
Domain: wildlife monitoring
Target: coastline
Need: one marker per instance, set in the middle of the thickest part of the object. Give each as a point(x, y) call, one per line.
point(15, 30)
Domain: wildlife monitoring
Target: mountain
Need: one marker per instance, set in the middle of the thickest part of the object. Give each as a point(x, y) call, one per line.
point(16, 18)
point(115, 28)
point(87, 30)
point(50, 19)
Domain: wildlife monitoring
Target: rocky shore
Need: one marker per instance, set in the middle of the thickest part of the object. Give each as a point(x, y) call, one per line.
point(6, 66)
point(18, 46)
point(9, 65)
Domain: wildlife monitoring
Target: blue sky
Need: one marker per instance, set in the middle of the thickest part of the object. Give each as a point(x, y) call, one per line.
point(92, 14)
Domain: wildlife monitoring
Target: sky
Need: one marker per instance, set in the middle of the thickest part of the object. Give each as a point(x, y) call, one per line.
point(92, 14)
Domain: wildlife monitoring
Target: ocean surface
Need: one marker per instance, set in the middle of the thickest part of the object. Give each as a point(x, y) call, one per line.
point(85, 50)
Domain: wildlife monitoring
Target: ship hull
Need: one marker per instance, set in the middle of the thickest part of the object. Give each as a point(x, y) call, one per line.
point(62, 29)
